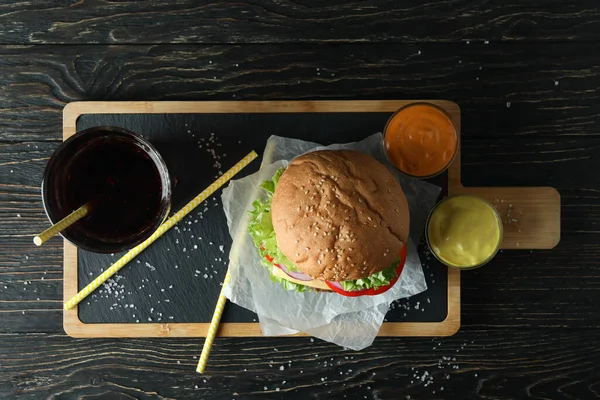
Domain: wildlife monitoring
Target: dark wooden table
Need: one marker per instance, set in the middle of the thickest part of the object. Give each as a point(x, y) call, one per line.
point(527, 78)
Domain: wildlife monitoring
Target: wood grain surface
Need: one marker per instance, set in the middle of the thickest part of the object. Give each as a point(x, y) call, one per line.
point(550, 87)
point(529, 100)
point(480, 364)
point(268, 21)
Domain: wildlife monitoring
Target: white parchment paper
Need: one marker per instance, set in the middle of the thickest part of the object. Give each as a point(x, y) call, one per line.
point(351, 322)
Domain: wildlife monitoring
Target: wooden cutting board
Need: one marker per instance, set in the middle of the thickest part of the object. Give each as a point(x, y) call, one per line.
point(531, 214)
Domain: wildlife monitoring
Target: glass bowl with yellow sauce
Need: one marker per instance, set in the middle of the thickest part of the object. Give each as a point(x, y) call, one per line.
point(464, 231)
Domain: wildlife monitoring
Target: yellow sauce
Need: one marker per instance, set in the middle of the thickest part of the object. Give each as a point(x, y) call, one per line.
point(464, 231)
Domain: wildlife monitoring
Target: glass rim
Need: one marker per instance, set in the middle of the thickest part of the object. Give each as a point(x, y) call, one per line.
point(500, 228)
point(428, 104)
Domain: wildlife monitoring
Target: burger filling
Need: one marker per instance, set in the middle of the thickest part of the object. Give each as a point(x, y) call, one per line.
point(262, 233)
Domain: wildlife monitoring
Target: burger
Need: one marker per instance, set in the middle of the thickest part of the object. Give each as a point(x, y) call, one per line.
point(332, 221)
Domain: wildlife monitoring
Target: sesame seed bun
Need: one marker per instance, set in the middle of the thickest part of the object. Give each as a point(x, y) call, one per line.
point(339, 215)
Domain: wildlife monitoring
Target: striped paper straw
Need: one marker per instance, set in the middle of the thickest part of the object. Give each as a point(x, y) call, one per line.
point(214, 326)
point(131, 254)
point(62, 224)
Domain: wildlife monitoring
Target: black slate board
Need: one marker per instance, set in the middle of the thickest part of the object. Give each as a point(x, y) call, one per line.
point(167, 281)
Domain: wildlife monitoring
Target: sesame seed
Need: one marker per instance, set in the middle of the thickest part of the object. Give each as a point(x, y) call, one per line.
point(369, 218)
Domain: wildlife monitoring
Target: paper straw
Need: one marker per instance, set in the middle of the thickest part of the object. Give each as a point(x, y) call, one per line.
point(214, 326)
point(216, 319)
point(113, 269)
point(62, 224)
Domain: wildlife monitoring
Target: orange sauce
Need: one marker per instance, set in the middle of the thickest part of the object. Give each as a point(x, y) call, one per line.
point(420, 140)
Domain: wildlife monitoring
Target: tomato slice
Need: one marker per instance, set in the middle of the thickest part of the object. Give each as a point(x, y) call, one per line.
point(373, 291)
point(270, 259)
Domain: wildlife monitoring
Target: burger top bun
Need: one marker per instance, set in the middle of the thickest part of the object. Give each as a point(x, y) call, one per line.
point(339, 215)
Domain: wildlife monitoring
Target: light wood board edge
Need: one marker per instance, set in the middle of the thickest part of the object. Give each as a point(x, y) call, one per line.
point(74, 327)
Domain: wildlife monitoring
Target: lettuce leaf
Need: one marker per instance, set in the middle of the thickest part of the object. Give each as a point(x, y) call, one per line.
point(261, 230)
point(376, 280)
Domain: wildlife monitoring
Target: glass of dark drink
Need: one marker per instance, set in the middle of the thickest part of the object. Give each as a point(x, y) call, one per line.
point(121, 175)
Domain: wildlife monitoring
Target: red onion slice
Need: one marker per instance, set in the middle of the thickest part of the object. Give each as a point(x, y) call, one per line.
point(296, 275)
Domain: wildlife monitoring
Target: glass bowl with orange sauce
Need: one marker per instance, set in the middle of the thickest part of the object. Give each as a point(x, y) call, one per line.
point(421, 140)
